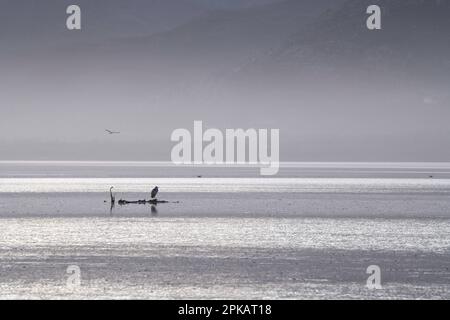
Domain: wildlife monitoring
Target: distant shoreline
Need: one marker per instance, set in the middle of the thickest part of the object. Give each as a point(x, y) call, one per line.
point(285, 164)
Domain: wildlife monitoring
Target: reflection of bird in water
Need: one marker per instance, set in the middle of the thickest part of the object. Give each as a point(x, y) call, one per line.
point(113, 200)
point(154, 192)
point(154, 210)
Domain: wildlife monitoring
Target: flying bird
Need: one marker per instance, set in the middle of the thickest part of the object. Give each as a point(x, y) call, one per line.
point(112, 132)
point(154, 192)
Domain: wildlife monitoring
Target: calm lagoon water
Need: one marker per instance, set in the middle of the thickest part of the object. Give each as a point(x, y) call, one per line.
point(309, 233)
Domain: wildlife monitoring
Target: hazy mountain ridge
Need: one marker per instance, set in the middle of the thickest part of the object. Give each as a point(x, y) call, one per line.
point(249, 30)
point(219, 44)
point(414, 39)
point(33, 23)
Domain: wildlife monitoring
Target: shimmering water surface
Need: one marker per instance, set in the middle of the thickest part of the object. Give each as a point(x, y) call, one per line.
point(310, 233)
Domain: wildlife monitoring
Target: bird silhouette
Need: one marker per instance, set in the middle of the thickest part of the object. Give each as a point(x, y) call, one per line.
point(112, 132)
point(113, 198)
point(154, 192)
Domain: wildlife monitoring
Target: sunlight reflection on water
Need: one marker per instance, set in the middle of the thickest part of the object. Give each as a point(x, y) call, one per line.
point(355, 185)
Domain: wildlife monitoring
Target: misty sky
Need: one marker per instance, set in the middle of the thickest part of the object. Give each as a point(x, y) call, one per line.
point(336, 91)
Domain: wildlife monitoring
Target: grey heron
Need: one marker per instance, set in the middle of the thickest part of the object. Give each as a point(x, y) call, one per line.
point(154, 192)
point(113, 198)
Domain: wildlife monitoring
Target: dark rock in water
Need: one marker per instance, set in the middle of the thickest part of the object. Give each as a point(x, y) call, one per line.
point(152, 201)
